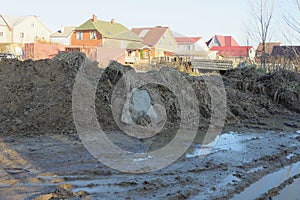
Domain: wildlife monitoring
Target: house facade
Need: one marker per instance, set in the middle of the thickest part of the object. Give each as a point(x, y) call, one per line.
point(235, 53)
point(105, 37)
point(194, 47)
point(22, 29)
point(288, 56)
point(159, 39)
point(63, 36)
point(15, 31)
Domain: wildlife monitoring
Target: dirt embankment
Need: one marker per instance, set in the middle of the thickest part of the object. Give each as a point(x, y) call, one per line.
point(36, 96)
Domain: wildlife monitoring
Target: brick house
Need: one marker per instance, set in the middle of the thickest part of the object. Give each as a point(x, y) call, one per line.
point(109, 36)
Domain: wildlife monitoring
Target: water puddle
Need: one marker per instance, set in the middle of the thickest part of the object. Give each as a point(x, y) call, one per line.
point(230, 180)
point(255, 169)
point(268, 182)
point(290, 191)
point(228, 141)
point(290, 156)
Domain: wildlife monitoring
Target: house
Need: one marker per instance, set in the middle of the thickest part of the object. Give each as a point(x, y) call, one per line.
point(235, 53)
point(223, 41)
point(109, 36)
point(289, 52)
point(159, 39)
point(63, 36)
point(22, 29)
point(15, 31)
point(289, 56)
point(268, 48)
point(191, 44)
point(194, 47)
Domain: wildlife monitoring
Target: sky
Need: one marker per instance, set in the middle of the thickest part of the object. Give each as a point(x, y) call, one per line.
point(203, 18)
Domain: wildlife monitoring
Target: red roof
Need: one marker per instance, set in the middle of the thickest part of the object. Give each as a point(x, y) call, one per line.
point(232, 51)
point(225, 41)
point(150, 36)
point(187, 39)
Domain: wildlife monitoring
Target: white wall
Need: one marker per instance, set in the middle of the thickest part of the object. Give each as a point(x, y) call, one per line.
point(32, 29)
point(166, 43)
point(6, 33)
point(62, 40)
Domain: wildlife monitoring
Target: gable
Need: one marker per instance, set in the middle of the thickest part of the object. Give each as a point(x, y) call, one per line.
point(109, 30)
point(150, 36)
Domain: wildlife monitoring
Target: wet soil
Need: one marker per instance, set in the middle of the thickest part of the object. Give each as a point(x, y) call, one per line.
point(42, 157)
point(58, 166)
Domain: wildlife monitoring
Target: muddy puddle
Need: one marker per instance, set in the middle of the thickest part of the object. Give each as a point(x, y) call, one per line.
point(228, 141)
point(290, 191)
point(273, 180)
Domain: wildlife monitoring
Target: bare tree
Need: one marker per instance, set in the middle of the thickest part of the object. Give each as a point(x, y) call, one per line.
point(262, 12)
point(293, 21)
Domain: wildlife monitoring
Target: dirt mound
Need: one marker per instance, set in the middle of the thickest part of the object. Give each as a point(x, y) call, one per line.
point(36, 96)
point(252, 94)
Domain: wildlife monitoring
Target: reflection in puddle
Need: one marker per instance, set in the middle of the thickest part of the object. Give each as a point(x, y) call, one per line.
point(228, 141)
point(255, 169)
point(290, 156)
point(268, 182)
point(290, 191)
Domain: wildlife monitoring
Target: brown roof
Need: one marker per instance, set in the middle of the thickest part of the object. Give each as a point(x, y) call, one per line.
point(291, 52)
point(269, 47)
point(150, 36)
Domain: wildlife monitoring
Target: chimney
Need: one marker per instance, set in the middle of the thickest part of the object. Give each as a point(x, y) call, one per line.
point(228, 41)
point(94, 18)
point(112, 21)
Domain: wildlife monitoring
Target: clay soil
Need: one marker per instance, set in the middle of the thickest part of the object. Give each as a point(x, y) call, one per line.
point(42, 156)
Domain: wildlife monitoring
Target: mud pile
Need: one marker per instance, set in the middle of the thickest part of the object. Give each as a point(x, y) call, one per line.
point(36, 96)
point(252, 94)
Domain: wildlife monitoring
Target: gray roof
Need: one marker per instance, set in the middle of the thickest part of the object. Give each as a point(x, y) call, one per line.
point(64, 32)
point(12, 21)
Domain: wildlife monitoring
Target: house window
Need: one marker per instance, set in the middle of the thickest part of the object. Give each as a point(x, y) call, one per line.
point(1, 34)
point(22, 35)
point(93, 35)
point(78, 35)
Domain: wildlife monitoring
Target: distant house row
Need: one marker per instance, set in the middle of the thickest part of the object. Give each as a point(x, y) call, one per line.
point(108, 40)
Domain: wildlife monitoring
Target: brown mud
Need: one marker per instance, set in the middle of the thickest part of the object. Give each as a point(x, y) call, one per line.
point(42, 156)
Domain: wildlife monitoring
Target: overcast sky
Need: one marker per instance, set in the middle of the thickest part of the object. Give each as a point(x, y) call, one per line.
point(190, 17)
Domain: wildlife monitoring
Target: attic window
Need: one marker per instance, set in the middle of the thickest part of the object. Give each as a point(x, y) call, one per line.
point(93, 35)
point(1, 34)
point(109, 33)
point(22, 35)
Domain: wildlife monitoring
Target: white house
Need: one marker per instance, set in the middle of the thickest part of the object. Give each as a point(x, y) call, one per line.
point(63, 36)
point(194, 47)
point(22, 29)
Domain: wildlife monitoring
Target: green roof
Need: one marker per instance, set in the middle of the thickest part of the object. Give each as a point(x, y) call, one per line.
point(137, 45)
point(109, 30)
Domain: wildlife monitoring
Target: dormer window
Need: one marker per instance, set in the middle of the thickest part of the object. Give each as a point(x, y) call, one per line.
point(93, 35)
